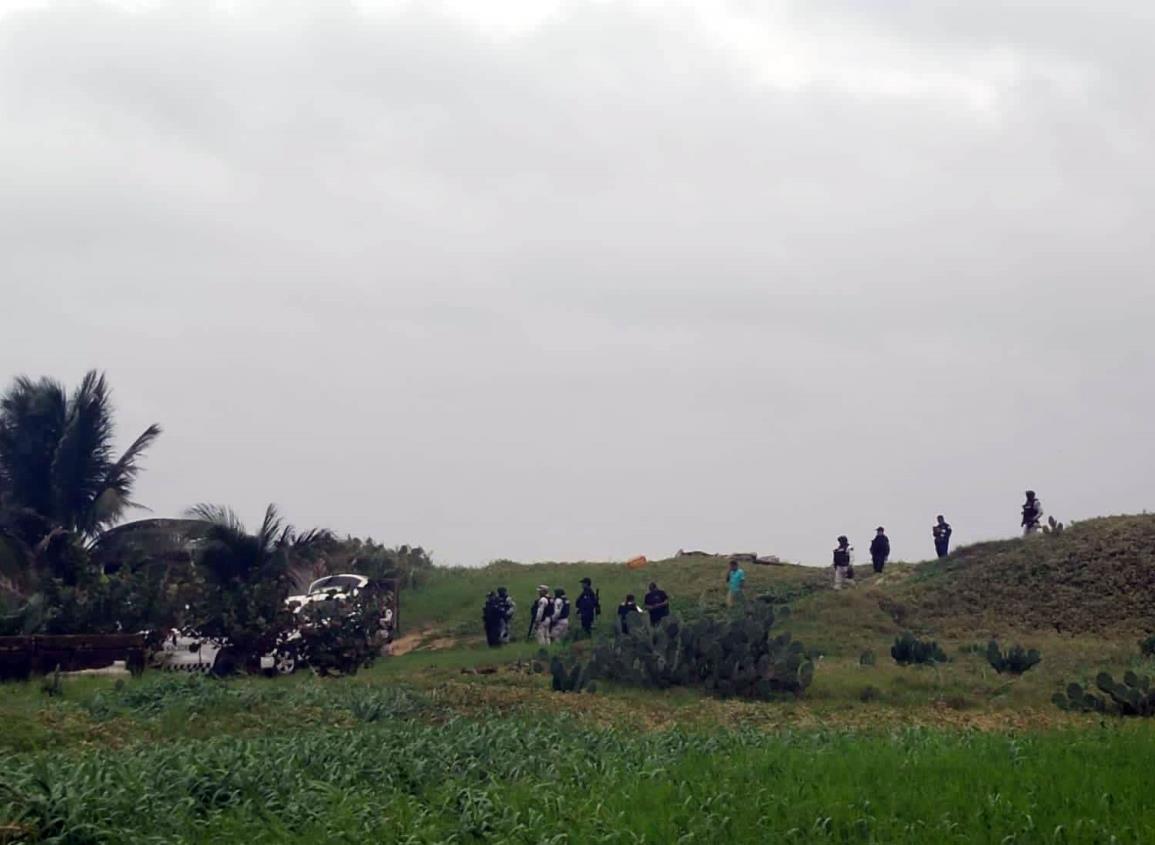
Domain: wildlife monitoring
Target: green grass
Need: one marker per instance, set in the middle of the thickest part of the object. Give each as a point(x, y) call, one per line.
point(448, 603)
point(467, 744)
point(400, 769)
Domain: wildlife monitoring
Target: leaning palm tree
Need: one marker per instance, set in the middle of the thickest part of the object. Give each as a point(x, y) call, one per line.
point(57, 463)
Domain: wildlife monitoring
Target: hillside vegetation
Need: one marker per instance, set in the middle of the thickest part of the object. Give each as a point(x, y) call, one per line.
point(1096, 577)
point(448, 604)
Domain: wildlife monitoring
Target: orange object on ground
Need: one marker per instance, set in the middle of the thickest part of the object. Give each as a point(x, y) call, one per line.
point(636, 562)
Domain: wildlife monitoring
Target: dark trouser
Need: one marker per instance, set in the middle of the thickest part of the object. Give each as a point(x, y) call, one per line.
point(493, 633)
point(941, 547)
point(587, 623)
point(878, 562)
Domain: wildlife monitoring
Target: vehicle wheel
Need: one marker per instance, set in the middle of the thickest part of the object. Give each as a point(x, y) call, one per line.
point(284, 664)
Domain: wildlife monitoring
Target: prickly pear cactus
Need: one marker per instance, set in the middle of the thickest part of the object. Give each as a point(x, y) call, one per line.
point(908, 649)
point(1147, 646)
point(736, 656)
point(1014, 662)
point(1075, 699)
point(1133, 696)
point(1052, 527)
point(574, 678)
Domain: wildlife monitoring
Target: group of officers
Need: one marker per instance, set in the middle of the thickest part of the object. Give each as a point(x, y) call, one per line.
point(550, 614)
point(1032, 518)
point(549, 618)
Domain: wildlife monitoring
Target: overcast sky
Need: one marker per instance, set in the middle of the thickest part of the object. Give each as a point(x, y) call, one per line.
point(565, 280)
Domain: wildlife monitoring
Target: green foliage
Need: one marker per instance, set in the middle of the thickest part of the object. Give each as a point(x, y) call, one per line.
point(1147, 646)
point(1131, 697)
point(57, 459)
point(735, 656)
point(339, 636)
point(908, 649)
point(571, 678)
point(866, 658)
point(243, 581)
point(394, 778)
point(1052, 527)
point(1013, 662)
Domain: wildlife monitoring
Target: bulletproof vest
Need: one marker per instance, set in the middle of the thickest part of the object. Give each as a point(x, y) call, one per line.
point(563, 613)
point(842, 557)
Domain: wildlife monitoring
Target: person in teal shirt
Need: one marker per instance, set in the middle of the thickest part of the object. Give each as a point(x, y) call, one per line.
point(735, 578)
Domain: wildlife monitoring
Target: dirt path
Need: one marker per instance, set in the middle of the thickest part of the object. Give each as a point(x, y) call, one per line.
point(422, 639)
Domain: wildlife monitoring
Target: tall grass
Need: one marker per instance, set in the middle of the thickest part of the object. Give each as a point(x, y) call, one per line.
point(396, 779)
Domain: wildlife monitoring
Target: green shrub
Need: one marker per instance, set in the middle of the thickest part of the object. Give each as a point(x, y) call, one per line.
point(736, 656)
point(339, 636)
point(908, 649)
point(1132, 697)
point(1013, 662)
point(575, 678)
point(1147, 646)
point(866, 658)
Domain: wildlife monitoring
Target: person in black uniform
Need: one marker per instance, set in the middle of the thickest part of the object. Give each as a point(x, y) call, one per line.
point(941, 532)
point(588, 605)
point(879, 549)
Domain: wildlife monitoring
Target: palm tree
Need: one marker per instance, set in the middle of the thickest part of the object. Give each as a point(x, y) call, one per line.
point(246, 579)
point(57, 465)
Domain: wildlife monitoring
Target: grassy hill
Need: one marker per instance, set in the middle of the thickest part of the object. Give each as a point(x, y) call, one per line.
point(1097, 577)
point(448, 603)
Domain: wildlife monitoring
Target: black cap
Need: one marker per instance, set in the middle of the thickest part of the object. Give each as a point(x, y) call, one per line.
point(586, 581)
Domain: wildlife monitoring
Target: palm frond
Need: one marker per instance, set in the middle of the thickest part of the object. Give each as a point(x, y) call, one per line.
point(216, 515)
point(83, 454)
point(32, 418)
point(312, 538)
point(273, 530)
point(120, 476)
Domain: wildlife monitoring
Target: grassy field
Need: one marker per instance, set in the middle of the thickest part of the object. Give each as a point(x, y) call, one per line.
point(456, 742)
point(171, 759)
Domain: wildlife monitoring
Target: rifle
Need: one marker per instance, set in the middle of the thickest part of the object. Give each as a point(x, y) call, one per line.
point(598, 602)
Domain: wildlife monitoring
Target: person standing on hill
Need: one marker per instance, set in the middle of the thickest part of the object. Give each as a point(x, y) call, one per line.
point(879, 549)
point(491, 619)
point(559, 620)
point(735, 579)
point(843, 563)
point(941, 532)
point(508, 609)
point(1032, 514)
point(657, 603)
point(539, 620)
point(588, 605)
point(626, 612)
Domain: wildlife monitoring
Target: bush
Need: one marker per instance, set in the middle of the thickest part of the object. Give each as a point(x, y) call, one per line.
point(731, 657)
point(339, 636)
point(908, 649)
point(575, 678)
point(1147, 646)
point(1013, 662)
point(1132, 697)
point(866, 658)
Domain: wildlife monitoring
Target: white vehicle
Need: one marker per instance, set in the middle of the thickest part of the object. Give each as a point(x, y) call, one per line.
point(330, 587)
point(191, 654)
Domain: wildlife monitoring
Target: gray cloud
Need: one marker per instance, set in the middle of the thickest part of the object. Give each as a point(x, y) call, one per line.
point(600, 279)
